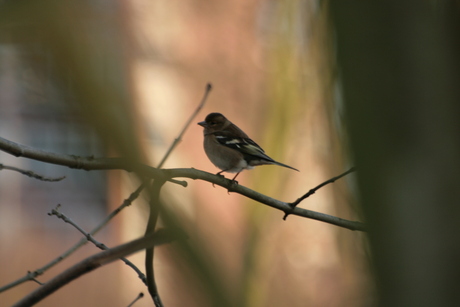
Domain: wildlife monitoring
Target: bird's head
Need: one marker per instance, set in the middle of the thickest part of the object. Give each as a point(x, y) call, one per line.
point(214, 122)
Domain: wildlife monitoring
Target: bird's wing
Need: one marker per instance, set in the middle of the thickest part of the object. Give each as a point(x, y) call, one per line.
point(244, 145)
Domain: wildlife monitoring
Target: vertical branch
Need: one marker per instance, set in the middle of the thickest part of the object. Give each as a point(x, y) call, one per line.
point(155, 205)
point(179, 138)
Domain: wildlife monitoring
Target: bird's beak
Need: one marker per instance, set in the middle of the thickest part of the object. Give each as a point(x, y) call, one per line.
point(203, 124)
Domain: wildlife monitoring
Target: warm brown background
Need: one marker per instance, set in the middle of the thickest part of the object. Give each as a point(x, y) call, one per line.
point(272, 69)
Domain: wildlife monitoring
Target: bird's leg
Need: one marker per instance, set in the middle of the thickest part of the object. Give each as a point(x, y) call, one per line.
point(233, 181)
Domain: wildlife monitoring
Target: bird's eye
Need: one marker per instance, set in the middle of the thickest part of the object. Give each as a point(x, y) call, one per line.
point(212, 123)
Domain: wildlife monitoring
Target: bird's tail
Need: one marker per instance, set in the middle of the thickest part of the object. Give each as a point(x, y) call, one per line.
point(284, 165)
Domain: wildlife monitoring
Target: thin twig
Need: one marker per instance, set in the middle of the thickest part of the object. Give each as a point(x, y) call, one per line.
point(36, 280)
point(140, 295)
point(31, 275)
point(98, 244)
point(312, 191)
point(187, 124)
point(30, 173)
point(95, 261)
point(155, 205)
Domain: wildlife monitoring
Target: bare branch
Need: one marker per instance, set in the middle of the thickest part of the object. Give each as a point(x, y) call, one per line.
point(93, 262)
point(261, 198)
point(30, 173)
point(87, 163)
point(151, 172)
point(139, 296)
point(98, 244)
point(312, 191)
point(76, 162)
point(83, 241)
point(155, 205)
point(187, 124)
point(36, 280)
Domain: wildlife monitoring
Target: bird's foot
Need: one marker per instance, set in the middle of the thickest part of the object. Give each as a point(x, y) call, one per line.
point(218, 174)
point(233, 184)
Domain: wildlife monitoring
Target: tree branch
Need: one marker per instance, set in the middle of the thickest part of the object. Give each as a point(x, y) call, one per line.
point(83, 241)
point(187, 124)
point(31, 174)
point(148, 171)
point(261, 198)
point(76, 162)
point(139, 296)
point(312, 191)
point(98, 244)
point(93, 262)
point(155, 205)
point(91, 163)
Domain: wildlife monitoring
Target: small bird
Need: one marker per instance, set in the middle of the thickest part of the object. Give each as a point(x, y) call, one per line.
point(230, 149)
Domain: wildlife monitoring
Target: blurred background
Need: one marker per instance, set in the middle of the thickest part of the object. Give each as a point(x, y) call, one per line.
point(120, 78)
